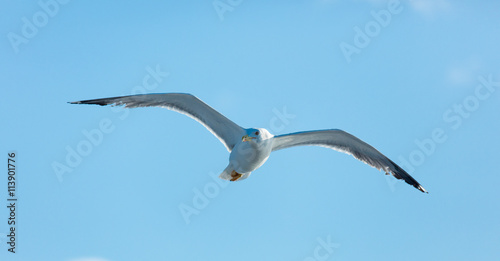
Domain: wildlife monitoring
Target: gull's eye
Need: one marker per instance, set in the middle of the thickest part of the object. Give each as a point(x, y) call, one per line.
point(256, 133)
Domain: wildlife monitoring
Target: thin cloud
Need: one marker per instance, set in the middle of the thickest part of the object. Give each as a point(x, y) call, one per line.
point(427, 8)
point(430, 7)
point(464, 72)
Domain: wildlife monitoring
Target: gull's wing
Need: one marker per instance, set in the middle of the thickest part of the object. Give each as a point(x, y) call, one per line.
point(227, 131)
point(344, 142)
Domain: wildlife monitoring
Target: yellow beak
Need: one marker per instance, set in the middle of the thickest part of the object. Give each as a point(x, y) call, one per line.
point(247, 138)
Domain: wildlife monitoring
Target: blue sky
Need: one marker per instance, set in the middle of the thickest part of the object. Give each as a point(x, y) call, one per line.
point(418, 80)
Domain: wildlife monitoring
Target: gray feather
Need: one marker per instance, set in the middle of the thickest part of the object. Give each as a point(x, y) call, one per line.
point(224, 129)
point(344, 142)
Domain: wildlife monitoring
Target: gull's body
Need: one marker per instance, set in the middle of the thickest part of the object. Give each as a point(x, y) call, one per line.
point(250, 148)
point(248, 156)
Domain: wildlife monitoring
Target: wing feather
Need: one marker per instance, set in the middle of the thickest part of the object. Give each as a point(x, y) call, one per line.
point(344, 142)
point(228, 132)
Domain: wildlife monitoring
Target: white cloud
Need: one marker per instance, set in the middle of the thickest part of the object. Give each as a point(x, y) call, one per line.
point(430, 7)
point(464, 72)
point(424, 7)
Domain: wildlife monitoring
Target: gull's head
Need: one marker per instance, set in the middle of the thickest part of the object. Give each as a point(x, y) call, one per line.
point(256, 135)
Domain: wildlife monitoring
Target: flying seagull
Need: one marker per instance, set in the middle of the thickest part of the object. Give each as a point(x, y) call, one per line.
point(250, 148)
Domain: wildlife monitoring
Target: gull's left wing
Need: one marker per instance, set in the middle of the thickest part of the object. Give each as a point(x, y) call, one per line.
point(228, 132)
point(344, 142)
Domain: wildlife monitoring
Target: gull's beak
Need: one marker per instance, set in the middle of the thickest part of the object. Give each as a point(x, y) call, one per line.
point(247, 138)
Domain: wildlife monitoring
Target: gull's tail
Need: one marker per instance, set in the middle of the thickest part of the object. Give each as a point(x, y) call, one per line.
point(230, 174)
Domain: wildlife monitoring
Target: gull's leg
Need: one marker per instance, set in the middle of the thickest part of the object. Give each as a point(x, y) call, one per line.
point(235, 176)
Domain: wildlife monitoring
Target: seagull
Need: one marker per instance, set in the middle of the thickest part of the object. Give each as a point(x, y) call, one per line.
point(250, 148)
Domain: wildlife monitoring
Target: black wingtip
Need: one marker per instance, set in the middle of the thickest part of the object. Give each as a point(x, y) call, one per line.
point(400, 173)
point(410, 180)
point(422, 189)
point(101, 102)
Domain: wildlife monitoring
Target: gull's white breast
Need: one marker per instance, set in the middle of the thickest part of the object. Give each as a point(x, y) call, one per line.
point(249, 156)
